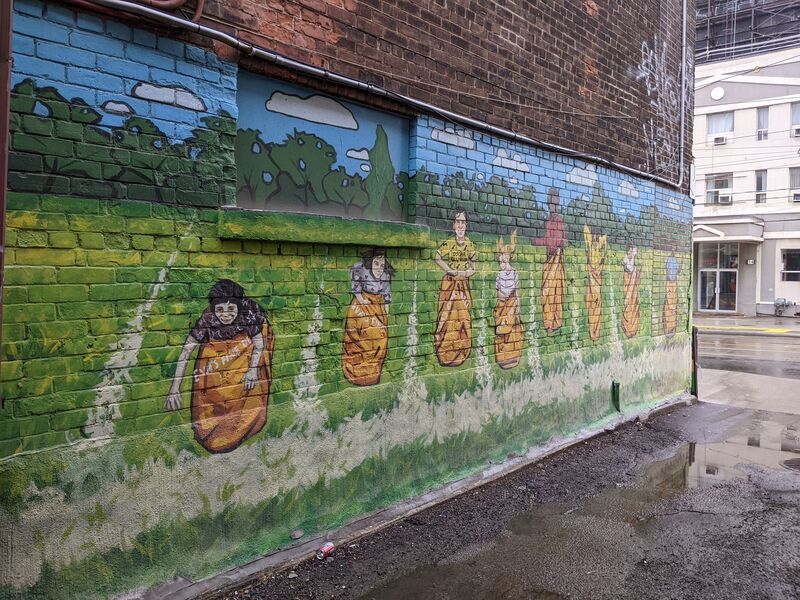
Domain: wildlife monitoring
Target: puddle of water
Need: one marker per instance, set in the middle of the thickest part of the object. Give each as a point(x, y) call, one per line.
point(587, 549)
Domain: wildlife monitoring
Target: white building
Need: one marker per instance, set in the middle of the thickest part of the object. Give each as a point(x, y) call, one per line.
point(747, 183)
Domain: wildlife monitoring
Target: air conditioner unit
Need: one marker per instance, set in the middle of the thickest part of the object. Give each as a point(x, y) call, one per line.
point(725, 199)
point(795, 131)
point(721, 140)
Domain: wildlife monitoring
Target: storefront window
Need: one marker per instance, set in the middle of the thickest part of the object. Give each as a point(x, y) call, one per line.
point(790, 265)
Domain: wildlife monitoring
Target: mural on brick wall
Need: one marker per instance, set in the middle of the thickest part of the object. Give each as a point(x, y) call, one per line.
point(181, 393)
point(555, 240)
point(595, 260)
point(509, 331)
point(300, 151)
point(366, 335)
point(631, 274)
point(233, 370)
point(457, 257)
point(670, 310)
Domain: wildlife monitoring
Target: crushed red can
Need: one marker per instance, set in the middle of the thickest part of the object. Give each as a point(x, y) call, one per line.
point(325, 550)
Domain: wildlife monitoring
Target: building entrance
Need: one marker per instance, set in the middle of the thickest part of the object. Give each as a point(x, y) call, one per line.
point(717, 279)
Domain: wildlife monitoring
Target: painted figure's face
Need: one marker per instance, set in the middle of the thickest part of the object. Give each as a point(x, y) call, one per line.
point(505, 261)
point(226, 312)
point(378, 265)
point(460, 225)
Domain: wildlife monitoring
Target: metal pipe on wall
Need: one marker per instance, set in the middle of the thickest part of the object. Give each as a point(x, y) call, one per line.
point(295, 65)
point(6, 15)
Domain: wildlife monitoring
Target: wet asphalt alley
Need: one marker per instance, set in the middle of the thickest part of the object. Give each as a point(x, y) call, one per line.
point(701, 502)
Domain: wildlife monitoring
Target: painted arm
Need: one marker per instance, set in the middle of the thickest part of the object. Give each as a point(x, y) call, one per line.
point(472, 264)
point(173, 401)
point(443, 265)
point(250, 378)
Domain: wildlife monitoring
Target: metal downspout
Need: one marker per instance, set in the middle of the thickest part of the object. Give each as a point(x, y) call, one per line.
point(682, 165)
point(6, 11)
point(284, 61)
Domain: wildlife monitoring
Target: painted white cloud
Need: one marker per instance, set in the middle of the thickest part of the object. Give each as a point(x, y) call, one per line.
point(366, 168)
point(515, 162)
point(626, 188)
point(317, 109)
point(360, 154)
point(587, 176)
point(167, 94)
point(117, 108)
point(453, 137)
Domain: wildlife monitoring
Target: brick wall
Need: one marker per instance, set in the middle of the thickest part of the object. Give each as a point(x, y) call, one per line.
point(103, 110)
point(119, 257)
point(535, 68)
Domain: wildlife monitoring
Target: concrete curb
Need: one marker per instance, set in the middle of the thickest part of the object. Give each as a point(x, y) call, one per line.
point(184, 589)
point(708, 331)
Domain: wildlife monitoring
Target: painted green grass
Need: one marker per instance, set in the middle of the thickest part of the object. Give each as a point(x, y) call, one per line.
point(209, 543)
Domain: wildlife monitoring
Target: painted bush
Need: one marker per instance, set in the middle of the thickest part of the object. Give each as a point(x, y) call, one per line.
point(300, 151)
point(183, 386)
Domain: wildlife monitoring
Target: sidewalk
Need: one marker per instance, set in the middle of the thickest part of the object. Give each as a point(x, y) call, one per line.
point(741, 325)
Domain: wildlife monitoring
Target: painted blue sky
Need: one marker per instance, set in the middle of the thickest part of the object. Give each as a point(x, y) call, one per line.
point(344, 125)
point(481, 156)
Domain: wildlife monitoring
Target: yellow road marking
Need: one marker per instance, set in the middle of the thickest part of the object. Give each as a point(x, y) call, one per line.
point(746, 328)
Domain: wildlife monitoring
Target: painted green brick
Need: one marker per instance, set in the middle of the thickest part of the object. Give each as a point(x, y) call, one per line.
point(166, 244)
point(138, 274)
point(45, 256)
point(75, 382)
point(102, 153)
point(210, 260)
point(52, 367)
point(69, 131)
point(91, 240)
point(63, 239)
point(151, 226)
point(113, 258)
point(117, 291)
point(58, 330)
point(72, 206)
point(85, 275)
point(68, 420)
point(189, 244)
point(57, 293)
point(20, 219)
point(25, 142)
point(13, 331)
point(32, 239)
point(160, 259)
point(23, 313)
point(104, 223)
point(117, 241)
point(126, 208)
point(11, 370)
point(84, 310)
point(15, 295)
point(142, 242)
point(27, 387)
point(211, 244)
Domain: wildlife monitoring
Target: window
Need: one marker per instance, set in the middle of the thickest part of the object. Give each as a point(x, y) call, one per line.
point(762, 127)
point(790, 265)
point(718, 188)
point(720, 123)
point(794, 178)
point(795, 114)
point(761, 187)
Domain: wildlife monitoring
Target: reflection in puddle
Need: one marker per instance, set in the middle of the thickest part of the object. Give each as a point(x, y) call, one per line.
point(576, 549)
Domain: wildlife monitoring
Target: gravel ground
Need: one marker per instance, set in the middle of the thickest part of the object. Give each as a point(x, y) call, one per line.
point(628, 514)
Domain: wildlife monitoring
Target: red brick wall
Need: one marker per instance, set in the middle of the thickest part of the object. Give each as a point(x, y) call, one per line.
point(515, 63)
